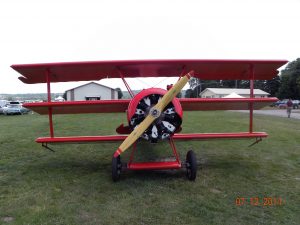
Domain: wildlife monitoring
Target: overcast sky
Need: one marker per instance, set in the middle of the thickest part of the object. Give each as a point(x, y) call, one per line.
point(64, 30)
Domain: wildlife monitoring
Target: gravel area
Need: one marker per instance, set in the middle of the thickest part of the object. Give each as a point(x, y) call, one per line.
point(277, 112)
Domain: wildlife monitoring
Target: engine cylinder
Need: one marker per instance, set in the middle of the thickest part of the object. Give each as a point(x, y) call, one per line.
point(168, 122)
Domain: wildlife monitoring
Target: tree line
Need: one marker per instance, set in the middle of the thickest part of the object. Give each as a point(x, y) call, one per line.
point(284, 85)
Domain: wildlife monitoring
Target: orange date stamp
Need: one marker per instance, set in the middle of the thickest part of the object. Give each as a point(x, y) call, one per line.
point(257, 201)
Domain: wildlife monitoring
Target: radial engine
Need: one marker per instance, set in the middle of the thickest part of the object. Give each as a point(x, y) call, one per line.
point(169, 121)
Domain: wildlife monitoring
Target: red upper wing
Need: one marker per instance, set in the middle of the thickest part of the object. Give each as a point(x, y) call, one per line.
point(204, 69)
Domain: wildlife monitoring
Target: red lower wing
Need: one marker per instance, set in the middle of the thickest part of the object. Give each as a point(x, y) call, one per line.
point(182, 137)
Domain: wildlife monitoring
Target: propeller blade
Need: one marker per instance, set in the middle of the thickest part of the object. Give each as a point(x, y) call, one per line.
point(135, 134)
point(153, 114)
point(168, 97)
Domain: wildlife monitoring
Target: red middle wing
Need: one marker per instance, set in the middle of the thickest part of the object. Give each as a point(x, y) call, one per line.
point(201, 104)
point(76, 107)
point(112, 106)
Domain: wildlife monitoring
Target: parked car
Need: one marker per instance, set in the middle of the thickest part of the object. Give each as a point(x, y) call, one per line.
point(275, 104)
point(14, 109)
point(296, 104)
point(1, 110)
point(282, 104)
point(3, 103)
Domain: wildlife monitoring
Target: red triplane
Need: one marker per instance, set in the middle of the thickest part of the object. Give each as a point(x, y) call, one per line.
point(153, 114)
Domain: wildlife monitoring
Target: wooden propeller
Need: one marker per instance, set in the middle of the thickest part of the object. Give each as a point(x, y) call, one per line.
point(154, 113)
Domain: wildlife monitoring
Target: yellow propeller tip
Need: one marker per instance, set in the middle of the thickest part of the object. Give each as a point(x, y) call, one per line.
point(190, 74)
point(117, 153)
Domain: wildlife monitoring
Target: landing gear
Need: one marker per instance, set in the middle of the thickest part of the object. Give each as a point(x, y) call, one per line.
point(116, 168)
point(191, 165)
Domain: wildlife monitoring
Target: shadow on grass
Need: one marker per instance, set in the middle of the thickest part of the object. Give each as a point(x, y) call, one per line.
point(70, 167)
point(154, 175)
point(75, 167)
point(60, 165)
point(229, 165)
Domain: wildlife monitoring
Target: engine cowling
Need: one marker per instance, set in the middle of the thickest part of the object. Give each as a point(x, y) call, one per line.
point(165, 125)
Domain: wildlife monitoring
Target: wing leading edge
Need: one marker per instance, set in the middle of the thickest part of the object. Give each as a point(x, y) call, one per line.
point(97, 70)
point(113, 106)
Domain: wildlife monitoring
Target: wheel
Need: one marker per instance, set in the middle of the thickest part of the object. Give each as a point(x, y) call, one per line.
point(191, 165)
point(116, 168)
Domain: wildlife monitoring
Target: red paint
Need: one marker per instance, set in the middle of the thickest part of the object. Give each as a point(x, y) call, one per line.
point(73, 107)
point(154, 165)
point(204, 136)
point(132, 153)
point(49, 101)
point(117, 153)
point(172, 144)
point(197, 104)
point(190, 74)
point(123, 130)
point(97, 70)
point(111, 106)
point(81, 139)
point(115, 138)
point(135, 101)
point(126, 84)
point(251, 96)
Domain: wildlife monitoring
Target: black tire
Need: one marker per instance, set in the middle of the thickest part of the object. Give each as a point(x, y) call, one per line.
point(191, 165)
point(116, 168)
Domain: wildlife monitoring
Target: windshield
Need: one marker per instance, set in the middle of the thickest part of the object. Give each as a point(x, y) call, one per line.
point(13, 106)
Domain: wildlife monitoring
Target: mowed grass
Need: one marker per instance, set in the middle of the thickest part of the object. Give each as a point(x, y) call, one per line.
point(74, 186)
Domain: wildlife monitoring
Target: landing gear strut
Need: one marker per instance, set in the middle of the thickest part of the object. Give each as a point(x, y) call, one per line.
point(190, 164)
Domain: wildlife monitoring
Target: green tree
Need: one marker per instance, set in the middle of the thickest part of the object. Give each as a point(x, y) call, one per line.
point(65, 95)
point(260, 84)
point(272, 86)
point(196, 91)
point(228, 84)
point(290, 81)
point(188, 93)
point(193, 82)
point(284, 90)
point(120, 93)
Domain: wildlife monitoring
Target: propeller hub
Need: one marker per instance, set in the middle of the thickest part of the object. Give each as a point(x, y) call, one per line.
point(155, 112)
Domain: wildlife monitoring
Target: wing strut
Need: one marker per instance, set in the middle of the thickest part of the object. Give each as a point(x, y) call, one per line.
point(126, 84)
point(49, 101)
point(251, 96)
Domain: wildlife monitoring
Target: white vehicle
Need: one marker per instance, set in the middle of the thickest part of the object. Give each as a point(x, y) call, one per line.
point(14, 108)
point(3, 103)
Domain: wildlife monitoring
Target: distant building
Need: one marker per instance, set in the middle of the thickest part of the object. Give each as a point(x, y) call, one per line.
point(91, 91)
point(222, 92)
point(59, 99)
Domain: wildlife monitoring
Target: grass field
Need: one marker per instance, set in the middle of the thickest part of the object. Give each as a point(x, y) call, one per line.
point(74, 186)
